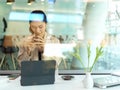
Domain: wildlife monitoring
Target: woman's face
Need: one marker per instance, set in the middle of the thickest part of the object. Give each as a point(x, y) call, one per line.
point(38, 28)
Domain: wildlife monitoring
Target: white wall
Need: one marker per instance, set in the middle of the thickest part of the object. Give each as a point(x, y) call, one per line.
point(18, 28)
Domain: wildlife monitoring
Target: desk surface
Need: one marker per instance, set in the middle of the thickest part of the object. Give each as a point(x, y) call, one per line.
point(60, 84)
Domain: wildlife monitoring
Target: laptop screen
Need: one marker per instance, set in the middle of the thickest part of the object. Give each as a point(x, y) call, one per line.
point(37, 72)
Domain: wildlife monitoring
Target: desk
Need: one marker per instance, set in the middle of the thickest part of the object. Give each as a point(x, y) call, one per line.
point(60, 84)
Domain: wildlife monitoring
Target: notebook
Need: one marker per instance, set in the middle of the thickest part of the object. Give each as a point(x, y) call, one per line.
point(37, 72)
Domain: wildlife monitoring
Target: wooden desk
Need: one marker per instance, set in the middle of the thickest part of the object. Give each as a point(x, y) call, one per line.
point(60, 84)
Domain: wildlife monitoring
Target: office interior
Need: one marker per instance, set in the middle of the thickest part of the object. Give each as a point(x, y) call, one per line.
point(72, 22)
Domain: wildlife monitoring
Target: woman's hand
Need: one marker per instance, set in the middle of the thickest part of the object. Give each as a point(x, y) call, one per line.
point(28, 44)
point(38, 40)
point(32, 42)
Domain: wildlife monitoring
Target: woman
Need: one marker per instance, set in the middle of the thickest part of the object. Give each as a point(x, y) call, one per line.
point(32, 47)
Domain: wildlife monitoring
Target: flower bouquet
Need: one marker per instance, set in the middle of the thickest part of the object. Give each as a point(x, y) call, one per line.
point(88, 81)
point(99, 52)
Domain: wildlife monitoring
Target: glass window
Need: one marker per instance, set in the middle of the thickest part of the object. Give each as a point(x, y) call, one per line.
point(73, 22)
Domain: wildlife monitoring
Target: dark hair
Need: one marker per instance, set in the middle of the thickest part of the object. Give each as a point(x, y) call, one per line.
point(38, 15)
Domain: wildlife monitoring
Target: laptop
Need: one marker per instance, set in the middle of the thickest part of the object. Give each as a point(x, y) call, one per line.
point(37, 72)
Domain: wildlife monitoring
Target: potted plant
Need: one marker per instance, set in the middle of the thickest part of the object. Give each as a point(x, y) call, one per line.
point(98, 52)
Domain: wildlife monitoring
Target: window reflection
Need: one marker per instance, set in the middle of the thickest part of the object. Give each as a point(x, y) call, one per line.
point(95, 21)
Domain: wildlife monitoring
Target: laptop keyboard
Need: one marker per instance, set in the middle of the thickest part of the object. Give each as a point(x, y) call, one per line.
point(107, 81)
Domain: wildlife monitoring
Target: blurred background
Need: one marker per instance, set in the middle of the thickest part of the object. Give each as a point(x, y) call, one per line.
point(71, 21)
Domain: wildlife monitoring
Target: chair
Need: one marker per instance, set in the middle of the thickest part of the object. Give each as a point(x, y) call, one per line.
point(1, 41)
point(8, 49)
